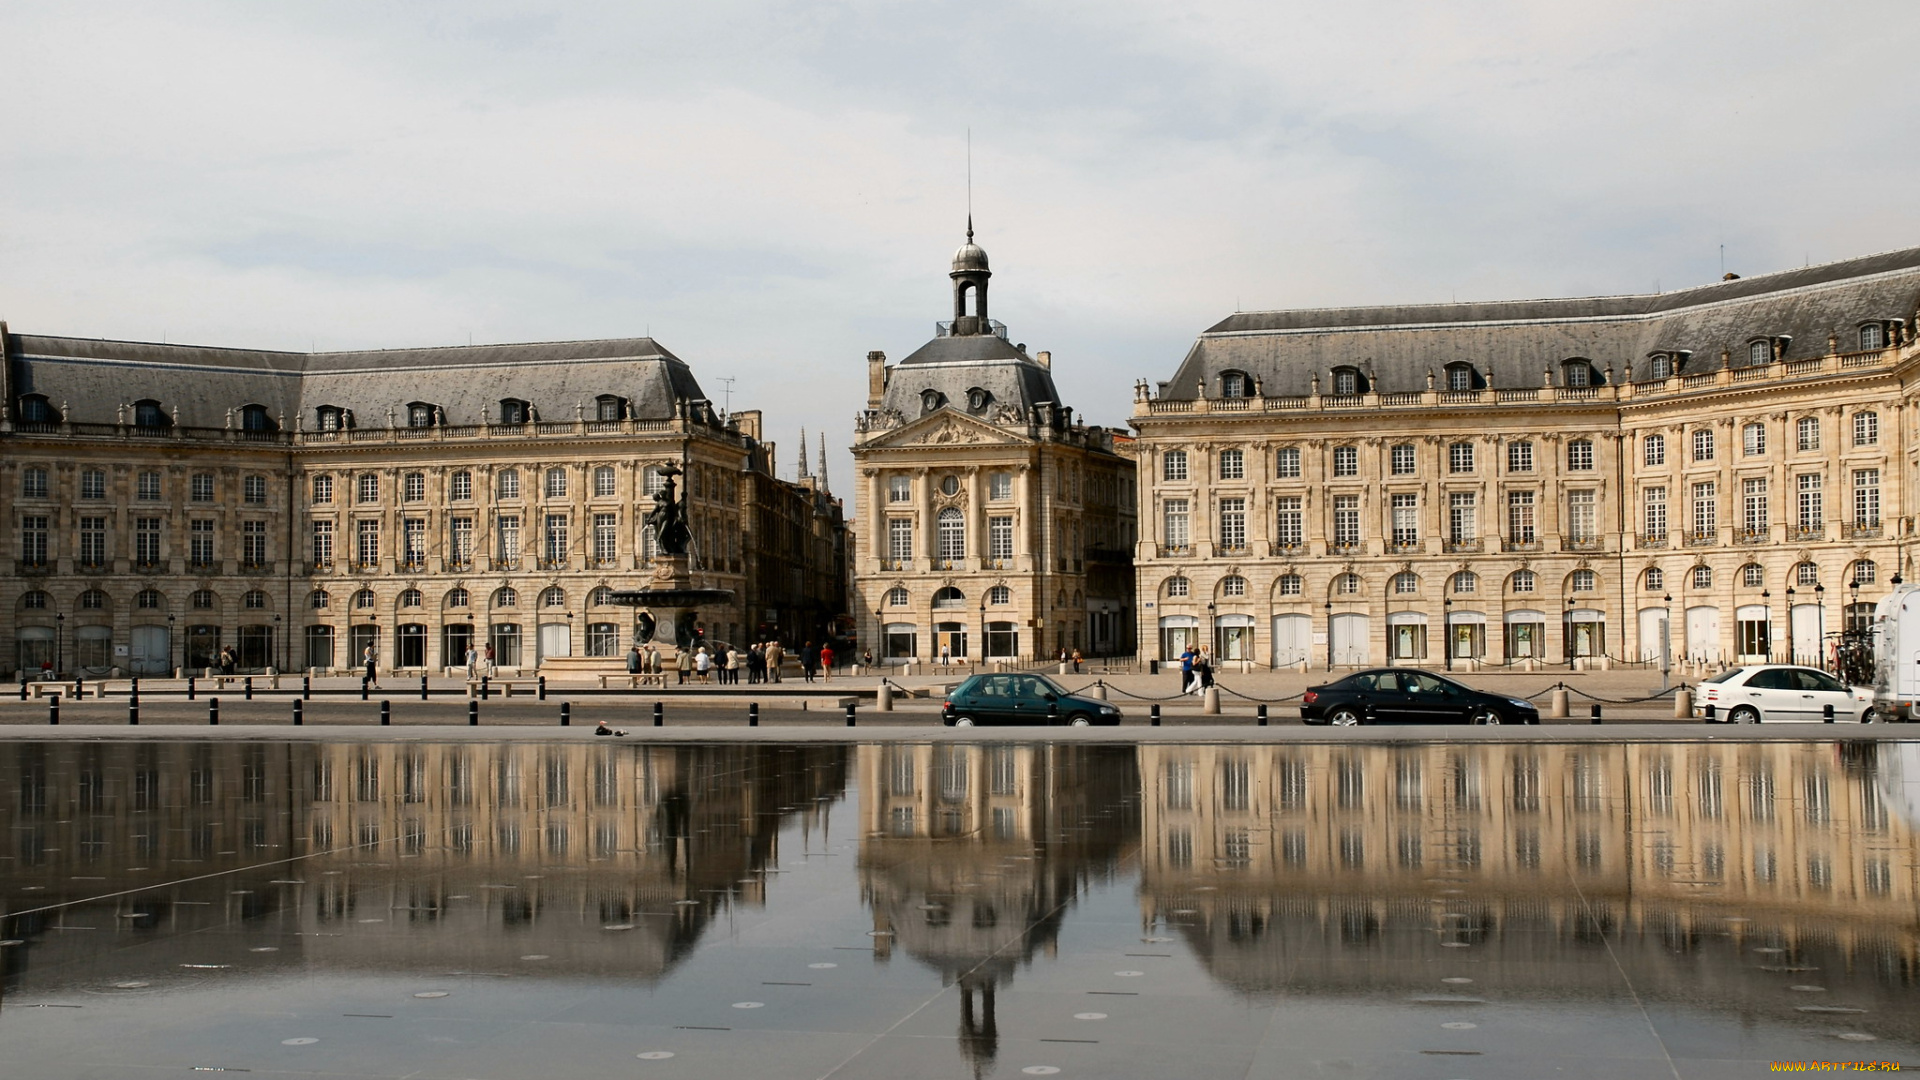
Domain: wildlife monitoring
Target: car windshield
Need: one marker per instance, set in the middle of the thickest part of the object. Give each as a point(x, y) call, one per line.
point(1726, 676)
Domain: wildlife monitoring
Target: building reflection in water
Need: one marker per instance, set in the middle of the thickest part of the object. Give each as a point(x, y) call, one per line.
point(973, 854)
point(480, 853)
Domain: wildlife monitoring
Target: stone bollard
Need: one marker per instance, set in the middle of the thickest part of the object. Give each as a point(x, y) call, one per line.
point(1099, 691)
point(1558, 708)
point(1063, 668)
point(1210, 701)
point(883, 701)
point(1683, 704)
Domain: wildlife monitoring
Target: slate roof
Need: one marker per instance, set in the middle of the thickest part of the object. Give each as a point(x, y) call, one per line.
point(956, 365)
point(93, 377)
point(1398, 345)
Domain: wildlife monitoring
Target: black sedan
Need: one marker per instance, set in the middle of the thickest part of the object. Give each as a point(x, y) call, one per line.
point(1021, 699)
point(1403, 696)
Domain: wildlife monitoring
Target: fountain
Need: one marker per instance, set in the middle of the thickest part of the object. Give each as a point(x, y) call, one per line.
point(670, 607)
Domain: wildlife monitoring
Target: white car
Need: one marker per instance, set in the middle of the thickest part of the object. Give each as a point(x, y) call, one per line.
point(1780, 692)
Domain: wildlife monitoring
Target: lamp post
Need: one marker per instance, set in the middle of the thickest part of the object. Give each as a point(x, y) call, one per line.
point(983, 630)
point(170, 637)
point(1767, 595)
point(1446, 629)
point(1213, 632)
point(1666, 639)
point(59, 623)
point(1329, 635)
point(1820, 601)
point(279, 647)
point(1792, 653)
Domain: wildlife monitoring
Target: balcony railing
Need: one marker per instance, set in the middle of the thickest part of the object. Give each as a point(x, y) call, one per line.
point(894, 564)
point(93, 566)
point(1461, 546)
point(1752, 536)
point(605, 562)
point(553, 564)
point(459, 566)
point(203, 565)
point(1175, 551)
point(1520, 545)
point(1287, 547)
point(1344, 547)
point(257, 567)
point(1233, 549)
point(1808, 533)
point(1707, 538)
point(1651, 540)
point(1400, 546)
point(412, 563)
point(149, 566)
point(364, 566)
point(1000, 564)
point(1861, 530)
point(1583, 543)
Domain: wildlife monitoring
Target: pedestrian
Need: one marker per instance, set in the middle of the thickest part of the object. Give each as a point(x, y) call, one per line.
point(866, 661)
point(1203, 668)
point(1186, 670)
point(684, 665)
point(826, 662)
point(775, 656)
point(1076, 661)
point(809, 660)
point(373, 674)
point(946, 655)
point(473, 662)
point(756, 663)
point(733, 667)
point(703, 664)
point(635, 661)
point(488, 657)
point(653, 666)
point(227, 659)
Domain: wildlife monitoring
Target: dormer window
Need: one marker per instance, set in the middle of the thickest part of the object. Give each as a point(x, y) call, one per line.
point(513, 411)
point(1348, 381)
point(1459, 377)
point(328, 418)
point(1577, 373)
point(149, 414)
point(609, 407)
point(978, 400)
point(1235, 384)
point(931, 400)
point(420, 414)
point(1760, 352)
point(1660, 366)
point(256, 420)
point(35, 409)
point(1872, 336)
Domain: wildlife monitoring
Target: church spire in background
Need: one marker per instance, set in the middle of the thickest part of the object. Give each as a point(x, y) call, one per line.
point(803, 453)
point(821, 473)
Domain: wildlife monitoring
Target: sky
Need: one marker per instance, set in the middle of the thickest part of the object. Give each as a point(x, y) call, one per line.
point(771, 190)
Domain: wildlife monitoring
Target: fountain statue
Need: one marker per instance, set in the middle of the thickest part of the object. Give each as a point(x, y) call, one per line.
point(670, 607)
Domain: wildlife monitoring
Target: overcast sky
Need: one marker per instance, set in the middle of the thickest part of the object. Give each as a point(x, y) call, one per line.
point(772, 189)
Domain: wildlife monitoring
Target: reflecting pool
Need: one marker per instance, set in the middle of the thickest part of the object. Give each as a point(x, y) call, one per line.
point(942, 909)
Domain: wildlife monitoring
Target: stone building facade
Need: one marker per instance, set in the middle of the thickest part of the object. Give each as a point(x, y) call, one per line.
point(994, 524)
point(1719, 474)
point(167, 501)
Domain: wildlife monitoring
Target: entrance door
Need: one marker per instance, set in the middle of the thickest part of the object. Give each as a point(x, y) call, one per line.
point(1804, 620)
point(1348, 635)
point(1703, 633)
point(950, 642)
point(1292, 639)
point(149, 650)
point(1651, 620)
point(556, 639)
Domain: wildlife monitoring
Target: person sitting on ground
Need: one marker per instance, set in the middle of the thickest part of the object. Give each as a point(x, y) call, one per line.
point(603, 729)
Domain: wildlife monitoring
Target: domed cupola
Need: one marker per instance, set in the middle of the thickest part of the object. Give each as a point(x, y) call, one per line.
point(970, 276)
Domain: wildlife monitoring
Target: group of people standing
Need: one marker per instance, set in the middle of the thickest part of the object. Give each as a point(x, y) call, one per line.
point(764, 662)
point(1196, 671)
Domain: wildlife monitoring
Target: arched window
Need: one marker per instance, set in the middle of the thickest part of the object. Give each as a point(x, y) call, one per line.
point(35, 409)
point(1291, 585)
point(999, 594)
point(1461, 377)
point(1235, 384)
point(1405, 583)
point(456, 598)
point(1349, 380)
point(1753, 439)
point(952, 534)
point(421, 414)
point(1347, 584)
point(609, 407)
point(1577, 372)
point(603, 482)
point(203, 600)
point(1872, 336)
point(1583, 581)
point(367, 488)
point(1521, 581)
point(1863, 572)
point(1179, 586)
point(319, 600)
point(1806, 574)
point(897, 596)
point(410, 598)
point(254, 599)
point(1653, 449)
point(514, 411)
point(949, 597)
point(34, 601)
point(1703, 577)
point(931, 400)
point(1703, 444)
point(556, 483)
point(364, 599)
point(601, 597)
point(1760, 351)
point(147, 413)
point(1660, 366)
point(504, 596)
point(1752, 576)
point(553, 596)
point(149, 599)
point(1466, 581)
point(978, 400)
point(1656, 579)
point(1234, 585)
point(95, 600)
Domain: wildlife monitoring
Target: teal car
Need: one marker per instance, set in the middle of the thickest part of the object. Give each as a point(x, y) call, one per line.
point(1022, 699)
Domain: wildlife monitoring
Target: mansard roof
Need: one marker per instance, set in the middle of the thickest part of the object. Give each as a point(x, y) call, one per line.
point(1515, 340)
point(95, 377)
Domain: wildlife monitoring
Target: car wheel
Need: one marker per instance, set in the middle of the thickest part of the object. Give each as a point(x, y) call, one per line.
point(1079, 720)
point(963, 721)
point(1869, 716)
point(1745, 714)
point(1484, 717)
point(1343, 718)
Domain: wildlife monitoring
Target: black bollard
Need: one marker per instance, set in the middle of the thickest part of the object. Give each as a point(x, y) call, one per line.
point(364, 683)
point(1260, 714)
point(483, 688)
point(189, 688)
point(306, 688)
point(659, 715)
point(386, 713)
point(133, 710)
point(566, 714)
point(423, 688)
point(53, 711)
point(541, 683)
point(79, 689)
point(298, 713)
point(1596, 712)
point(753, 714)
point(248, 691)
point(213, 712)
point(473, 714)
point(849, 714)
point(133, 687)
point(1826, 714)
point(1153, 715)
point(23, 689)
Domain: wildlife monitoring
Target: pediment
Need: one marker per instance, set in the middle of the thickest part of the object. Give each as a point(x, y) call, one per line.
point(945, 427)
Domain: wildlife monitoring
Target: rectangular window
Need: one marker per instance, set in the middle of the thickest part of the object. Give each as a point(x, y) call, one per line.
point(1580, 456)
point(413, 535)
point(253, 490)
point(93, 541)
point(146, 542)
point(201, 487)
point(509, 484)
point(1866, 429)
point(1289, 526)
point(1000, 538)
point(414, 487)
point(1233, 465)
point(900, 539)
point(1653, 449)
point(899, 489)
point(1406, 518)
point(1174, 465)
point(1753, 506)
point(1582, 518)
point(606, 538)
point(1866, 497)
point(33, 540)
point(1175, 516)
point(253, 544)
point(1809, 433)
point(1463, 517)
point(369, 488)
point(93, 484)
point(557, 484)
point(147, 487)
point(1346, 461)
point(1346, 520)
point(1460, 457)
point(1520, 457)
point(366, 552)
point(322, 543)
point(1706, 511)
point(1287, 463)
point(322, 490)
point(553, 544)
point(1520, 518)
point(460, 542)
point(1401, 460)
point(1654, 500)
point(1233, 524)
point(603, 483)
point(460, 486)
point(1000, 486)
point(507, 529)
point(200, 544)
point(1810, 511)
point(1703, 445)
point(1753, 440)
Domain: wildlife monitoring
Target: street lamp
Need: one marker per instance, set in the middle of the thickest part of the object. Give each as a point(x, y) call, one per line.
point(279, 646)
point(1666, 639)
point(59, 622)
point(1820, 601)
point(1766, 594)
point(1446, 629)
point(1792, 653)
point(1329, 635)
point(170, 635)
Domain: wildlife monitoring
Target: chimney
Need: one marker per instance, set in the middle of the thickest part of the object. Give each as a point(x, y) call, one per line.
point(876, 379)
point(1044, 358)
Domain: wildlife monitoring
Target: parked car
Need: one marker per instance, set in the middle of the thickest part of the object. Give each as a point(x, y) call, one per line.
point(1021, 699)
point(1780, 692)
point(1407, 696)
